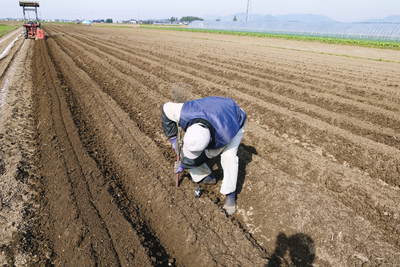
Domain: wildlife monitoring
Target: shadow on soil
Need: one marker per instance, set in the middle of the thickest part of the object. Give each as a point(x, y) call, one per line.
point(296, 250)
point(245, 154)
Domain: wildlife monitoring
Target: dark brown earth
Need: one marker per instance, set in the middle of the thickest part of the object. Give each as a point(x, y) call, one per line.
point(319, 164)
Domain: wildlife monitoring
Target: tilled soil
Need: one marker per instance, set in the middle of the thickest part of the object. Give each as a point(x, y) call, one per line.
point(319, 164)
point(19, 188)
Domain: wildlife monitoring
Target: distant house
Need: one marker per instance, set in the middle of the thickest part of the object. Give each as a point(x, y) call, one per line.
point(130, 21)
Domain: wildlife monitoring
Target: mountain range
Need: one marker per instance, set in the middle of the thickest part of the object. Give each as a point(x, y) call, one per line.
point(305, 18)
point(380, 29)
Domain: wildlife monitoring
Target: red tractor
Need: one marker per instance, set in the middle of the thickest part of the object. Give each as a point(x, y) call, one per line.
point(33, 28)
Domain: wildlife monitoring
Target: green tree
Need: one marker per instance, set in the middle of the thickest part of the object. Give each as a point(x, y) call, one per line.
point(173, 19)
point(109, 20)
point(190, 19)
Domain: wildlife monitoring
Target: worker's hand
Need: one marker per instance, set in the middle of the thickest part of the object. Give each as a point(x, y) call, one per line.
point(173, 142)
point(179, 167)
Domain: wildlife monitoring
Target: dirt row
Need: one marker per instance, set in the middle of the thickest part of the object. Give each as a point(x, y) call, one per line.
point(8, 38)
point(316, 154)
point(6, 61)
point(86, 171)
point(386, 132)
point(19, 187)
point(86, 205)
point(385, 135)
point(120, 150)
point(331, 70)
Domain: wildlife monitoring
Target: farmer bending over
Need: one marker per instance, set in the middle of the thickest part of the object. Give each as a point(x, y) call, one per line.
point(213, 126)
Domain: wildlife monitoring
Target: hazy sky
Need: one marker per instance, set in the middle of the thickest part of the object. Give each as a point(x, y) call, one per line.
point(342, 10)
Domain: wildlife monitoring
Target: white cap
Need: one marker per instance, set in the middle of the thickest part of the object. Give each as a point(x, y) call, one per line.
point(196, 139)
point(173, 110)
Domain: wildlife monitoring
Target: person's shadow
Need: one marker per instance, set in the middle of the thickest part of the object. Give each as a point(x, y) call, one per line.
point(301, 249)
point(245, 154)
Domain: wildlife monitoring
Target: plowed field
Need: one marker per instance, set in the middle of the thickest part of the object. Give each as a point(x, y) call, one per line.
point(319, 178)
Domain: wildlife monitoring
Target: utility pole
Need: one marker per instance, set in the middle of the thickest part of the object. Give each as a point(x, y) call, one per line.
point(247, 11)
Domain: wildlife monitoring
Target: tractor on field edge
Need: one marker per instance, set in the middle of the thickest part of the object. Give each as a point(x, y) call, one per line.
point(33, 28)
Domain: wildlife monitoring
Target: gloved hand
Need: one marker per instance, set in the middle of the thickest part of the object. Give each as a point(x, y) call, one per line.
point(179, 167)
point(173, 142)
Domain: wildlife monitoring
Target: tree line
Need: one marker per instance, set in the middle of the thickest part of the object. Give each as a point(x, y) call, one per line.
point(186, 19)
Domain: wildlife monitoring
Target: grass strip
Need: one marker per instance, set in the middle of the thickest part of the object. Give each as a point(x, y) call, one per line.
point(4, 29)
point(330, 40)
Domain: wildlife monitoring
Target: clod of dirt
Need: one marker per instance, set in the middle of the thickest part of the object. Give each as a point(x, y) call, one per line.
point(22, 174)
point(2, 167)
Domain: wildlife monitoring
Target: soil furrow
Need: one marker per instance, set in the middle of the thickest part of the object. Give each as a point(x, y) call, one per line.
point(336, 88)
point(378, 208)
point(94, 224)
point(386, 136)
point(6, 62)
point(323, 100)
point(363, 163)
point(130, 211)
point(285, 66)
point(284, 76)
point(123, 138)
point(144, 100)
point(318, 168)
point(150, 131)
point(19, 176)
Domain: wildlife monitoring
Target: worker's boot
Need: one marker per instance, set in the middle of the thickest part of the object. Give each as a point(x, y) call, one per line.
point(230, 203)
point(209, 180)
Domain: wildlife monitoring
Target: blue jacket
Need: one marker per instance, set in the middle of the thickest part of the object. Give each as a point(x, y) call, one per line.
point(221, 115)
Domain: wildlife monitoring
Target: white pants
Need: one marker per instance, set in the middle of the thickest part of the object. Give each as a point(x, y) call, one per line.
point(229, 163)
